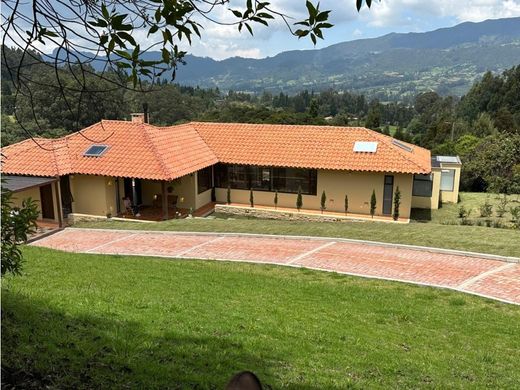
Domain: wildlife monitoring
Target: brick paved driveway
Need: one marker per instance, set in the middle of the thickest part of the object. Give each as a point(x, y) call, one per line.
point(488, 277)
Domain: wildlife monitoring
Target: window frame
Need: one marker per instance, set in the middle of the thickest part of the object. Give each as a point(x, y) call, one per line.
point(222, 178)
point(417, 177)
point(446, 170)
point(209, 170)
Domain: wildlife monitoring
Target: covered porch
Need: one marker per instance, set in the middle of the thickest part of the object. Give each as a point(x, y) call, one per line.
point(159, 200)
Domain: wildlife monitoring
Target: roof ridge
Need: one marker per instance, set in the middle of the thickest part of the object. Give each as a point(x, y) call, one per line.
point(158, 156)
point(203, 139)
point(397, 149)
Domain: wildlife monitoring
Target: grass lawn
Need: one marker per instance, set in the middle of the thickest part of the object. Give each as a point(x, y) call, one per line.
point(95, 321)
point(449, 212)
point(471, 238)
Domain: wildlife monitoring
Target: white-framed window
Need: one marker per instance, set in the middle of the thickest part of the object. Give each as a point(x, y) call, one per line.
point(447, 179)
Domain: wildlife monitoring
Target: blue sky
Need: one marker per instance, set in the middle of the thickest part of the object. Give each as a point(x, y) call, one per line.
point(384, 17)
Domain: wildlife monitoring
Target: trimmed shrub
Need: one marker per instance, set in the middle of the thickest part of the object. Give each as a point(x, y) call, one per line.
point(228, 195)
point(276, 200)
point(251, 198)
point(346, 204)
point(323, 202)
point(486, 209)
point(397, 203)
point(373, 203)
point(502, 206)
point(299, 199)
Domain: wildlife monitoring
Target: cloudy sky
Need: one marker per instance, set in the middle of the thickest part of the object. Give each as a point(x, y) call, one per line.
point(384, 17)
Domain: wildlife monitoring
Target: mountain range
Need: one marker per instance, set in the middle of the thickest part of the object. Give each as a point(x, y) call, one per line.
point(395, 66)
point(447, 60)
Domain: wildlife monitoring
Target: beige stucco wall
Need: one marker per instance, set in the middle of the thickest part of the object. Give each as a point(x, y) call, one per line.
point(149, 188)
point(357, 185)
point(34, 194)
point(424, 202)
point(204, 197)
point(451, 196)
point(95, 195)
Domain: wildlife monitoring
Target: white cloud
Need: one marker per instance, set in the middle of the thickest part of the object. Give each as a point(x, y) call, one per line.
point(389, 13)
point(357, 32)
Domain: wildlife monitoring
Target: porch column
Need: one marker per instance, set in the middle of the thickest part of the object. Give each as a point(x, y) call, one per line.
point(58, 203)
point(164, 200)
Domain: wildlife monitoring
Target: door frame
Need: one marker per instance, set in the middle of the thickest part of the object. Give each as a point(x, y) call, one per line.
point(46, 202)
point(387, 201)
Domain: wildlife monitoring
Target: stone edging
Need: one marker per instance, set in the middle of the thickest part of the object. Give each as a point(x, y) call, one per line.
point(294, 215)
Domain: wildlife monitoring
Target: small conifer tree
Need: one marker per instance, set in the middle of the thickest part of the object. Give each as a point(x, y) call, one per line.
point(276, 199)
point(397, 203)
point(299, 199)
point(373, 203)
point(323, 202)
point(228, 194)
point(251, 198)
point(346, 204)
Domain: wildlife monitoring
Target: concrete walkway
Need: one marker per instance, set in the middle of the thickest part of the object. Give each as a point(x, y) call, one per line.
point(480, 275)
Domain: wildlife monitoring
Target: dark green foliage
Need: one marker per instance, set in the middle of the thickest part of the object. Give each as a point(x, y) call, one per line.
point(228, 198)
point(251, 198)
point(373, 203)
point(397, 203)
point(323, 201)
point(17, 224)
point(346, 203)
point(276, 199)
point(299, 199)
point(213, 195)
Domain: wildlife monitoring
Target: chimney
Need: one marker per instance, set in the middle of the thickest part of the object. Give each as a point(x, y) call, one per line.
point(137, 117)
point(145, 111)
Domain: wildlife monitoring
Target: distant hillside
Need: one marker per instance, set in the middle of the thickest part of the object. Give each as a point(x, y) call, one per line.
point(395, 66)
point(446, 60)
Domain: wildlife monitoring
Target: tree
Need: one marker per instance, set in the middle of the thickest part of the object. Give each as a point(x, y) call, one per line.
point(251, 198)
point(276, 199)
point(397, 203)
point(323, 201)
point(373, 203)
point(17, 224)
point(373, 120)
point(314, 108)
point(299, 199)
point(346, 204)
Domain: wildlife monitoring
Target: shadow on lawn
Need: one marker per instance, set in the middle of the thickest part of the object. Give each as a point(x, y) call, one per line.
point(44, 347)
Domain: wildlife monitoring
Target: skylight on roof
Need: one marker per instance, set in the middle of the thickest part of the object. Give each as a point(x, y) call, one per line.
point(402, 145)
point(366, 147)
point(448, 159)
point(95, 150)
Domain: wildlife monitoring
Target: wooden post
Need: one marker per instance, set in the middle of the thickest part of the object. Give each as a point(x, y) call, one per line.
point(164, 200)
point(58, 203)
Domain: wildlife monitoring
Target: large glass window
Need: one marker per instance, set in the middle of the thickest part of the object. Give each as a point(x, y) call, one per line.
point(447, 179)
point(422, 185)
point(290, 179)
point(266, 178)
point(204, 180)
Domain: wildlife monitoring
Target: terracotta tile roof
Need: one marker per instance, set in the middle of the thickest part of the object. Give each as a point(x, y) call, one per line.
point(324, 147)
point(165, 153)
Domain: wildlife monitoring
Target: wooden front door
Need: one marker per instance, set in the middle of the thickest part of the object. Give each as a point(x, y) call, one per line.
point(47, 205)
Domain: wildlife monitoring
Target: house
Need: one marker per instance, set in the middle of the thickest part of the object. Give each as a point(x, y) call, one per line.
point(91, 171)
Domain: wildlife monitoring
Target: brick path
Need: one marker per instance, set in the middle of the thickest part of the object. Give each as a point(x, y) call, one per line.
point(487, 277)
